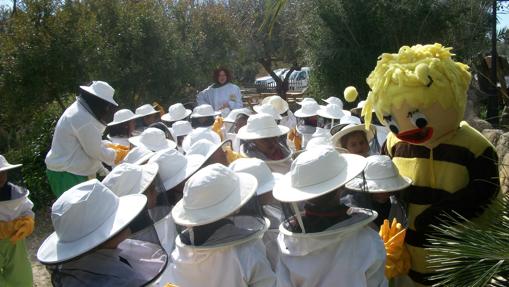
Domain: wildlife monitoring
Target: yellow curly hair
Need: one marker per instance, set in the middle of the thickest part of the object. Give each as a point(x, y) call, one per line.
point(420, 75)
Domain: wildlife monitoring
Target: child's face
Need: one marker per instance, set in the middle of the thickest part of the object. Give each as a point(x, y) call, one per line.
point(357, 143)
point(3, 178)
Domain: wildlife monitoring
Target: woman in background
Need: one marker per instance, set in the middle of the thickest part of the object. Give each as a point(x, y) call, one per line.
point(223, 96)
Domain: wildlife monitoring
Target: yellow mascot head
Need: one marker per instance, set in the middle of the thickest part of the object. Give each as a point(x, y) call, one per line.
point(419, 93)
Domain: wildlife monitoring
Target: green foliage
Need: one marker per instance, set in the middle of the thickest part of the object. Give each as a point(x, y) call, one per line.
point(344, 38)
point(466, 253)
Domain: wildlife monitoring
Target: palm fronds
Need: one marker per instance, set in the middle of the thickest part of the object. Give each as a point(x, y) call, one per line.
point(271, 15)
point(473, 253)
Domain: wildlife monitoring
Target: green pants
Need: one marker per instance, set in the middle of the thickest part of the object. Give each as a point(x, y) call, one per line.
point(61, 181)
point(15, 267)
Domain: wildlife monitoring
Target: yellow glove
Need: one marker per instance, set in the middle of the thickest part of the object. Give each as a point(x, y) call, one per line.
point(24, 226)
point(170, 285)
point(231, 156)
point(398, 258)
point(218, 124)
point(6, 229)
point(296, 138)
point(120, 154)
point(117, 146)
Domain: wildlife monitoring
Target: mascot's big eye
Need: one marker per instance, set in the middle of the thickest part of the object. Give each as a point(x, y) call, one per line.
point(418, 119)
point(391, 124)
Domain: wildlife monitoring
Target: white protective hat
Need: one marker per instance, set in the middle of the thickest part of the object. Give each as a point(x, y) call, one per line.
point(346, 129)
point(204, 111)
point(259, 169)
point(331, 111)
point(181, 128)
point(5, 165)
point(145, 110)
point(261, 126)
point(277, 102)
point(380, 175)
point(86, 216)
point(153, 139)
point(334, 100)
point(175, 167)
point(308, 109)
point(122, 116)
point(213, 193)
point(128, 178)
point(205, 148)
point(349, 119)
point(316, 172)
point(267, 109)
point(176, 112)
point(306, 100)
point(138, 155)
point(199, 134)
point(101, 90)
point(232, 116)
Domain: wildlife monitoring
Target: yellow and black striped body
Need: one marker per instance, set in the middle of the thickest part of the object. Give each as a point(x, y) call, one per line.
point(460, 174)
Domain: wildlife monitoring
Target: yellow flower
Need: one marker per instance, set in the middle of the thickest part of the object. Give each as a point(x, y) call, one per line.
point(398, 258)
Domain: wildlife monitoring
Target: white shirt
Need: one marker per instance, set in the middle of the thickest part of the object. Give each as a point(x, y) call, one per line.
point(240, 263)
point(77, 147)
point(216, 97)
point(349, 254)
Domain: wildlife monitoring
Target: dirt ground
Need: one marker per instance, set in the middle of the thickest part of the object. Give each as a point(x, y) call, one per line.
point(43, 228)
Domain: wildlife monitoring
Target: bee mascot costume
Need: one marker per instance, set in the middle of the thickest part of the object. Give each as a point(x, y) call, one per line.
point(420, 95)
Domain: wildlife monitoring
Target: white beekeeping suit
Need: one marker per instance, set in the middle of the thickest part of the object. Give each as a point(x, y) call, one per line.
point(224, 98)
point(220, 242)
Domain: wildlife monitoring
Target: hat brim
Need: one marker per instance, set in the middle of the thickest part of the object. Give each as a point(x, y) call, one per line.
point(92, 92)
point(244, 134)
point(167, 117)
point(234, 201)
point(285, 192)
point(148, 175)
point(53, 250)
point(232, 118)
point(155, 148)
point(186, 142)
point(10, 166)
point(325, 114)
point(269, 185)
point(276, 117)
point(300, 114)
point(216, 113)
point(123, 121)
point(336, 138)
point(391, 184)
point(194, 162)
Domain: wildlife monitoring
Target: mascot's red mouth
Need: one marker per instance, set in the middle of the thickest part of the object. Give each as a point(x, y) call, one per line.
point(416, 136)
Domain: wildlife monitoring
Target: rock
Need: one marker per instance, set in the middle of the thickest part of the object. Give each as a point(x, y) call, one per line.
point(502, 146)
point(504, 174)
point(492, 135)
point(479, 124)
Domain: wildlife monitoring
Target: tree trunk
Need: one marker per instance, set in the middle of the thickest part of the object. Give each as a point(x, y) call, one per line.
point(282, 85)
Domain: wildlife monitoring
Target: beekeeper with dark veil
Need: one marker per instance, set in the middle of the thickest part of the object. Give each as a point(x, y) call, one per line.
point(95, 242)
point(262, 138)
point(322, 242)
point(77, 150)
point(221, 229)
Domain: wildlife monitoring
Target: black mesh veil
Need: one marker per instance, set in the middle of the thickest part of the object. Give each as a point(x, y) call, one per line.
point(242, 224)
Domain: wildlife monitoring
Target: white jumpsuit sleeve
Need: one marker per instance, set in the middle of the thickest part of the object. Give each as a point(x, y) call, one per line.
point(375, 274)
point(201, 98)
point(90, 140)
point(237, 104)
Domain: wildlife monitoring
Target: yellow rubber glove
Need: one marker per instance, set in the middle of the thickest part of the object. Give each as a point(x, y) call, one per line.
point(117, 146)
point(24, 226)
point(398, 258)
point(120, 154)
point(218, 124)
point(7, 229)
point(294, 136)
point(170, 285)
point(231, 156)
